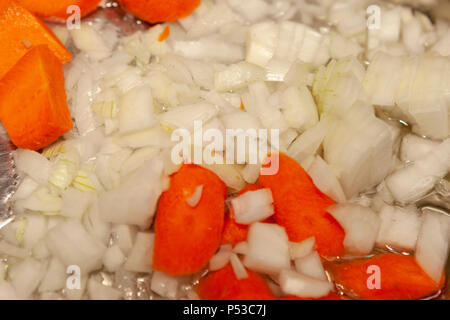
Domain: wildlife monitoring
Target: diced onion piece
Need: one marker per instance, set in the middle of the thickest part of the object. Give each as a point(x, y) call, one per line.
point(65, 170)
point(294, 283)
point(42, 200)
point(184, 116)
point(55, 277)
point(75, 203)
point(106, 109)
point(228, 173)
point(164, 285)
point(311, 266)
point(35, 230)
point(196, 196)
point(26, 187)
point(137, 49)
point(325, 180)
point(98, 291)
point(238, 267)
point(414, 147)
point(150, 38)
point(209, 48)
point(361, 226)
point(382, 79)
point(241, 248)
point(73, 245)
point(359, 149)
point(251, 10)
point(250, 173)
point(399, 228)
point(134, 201)
point(26, 276)
point(299, 108)
point(136, 110)
point(217, 16)
point(12, 250)
point(268, 248)
point(237, 76)
point(301, 249)
point(156, 137)
point(253, 206)
point(7, 291)
point(113, 258)
point(86, 182)
point(311, 44)
point(33, 164)
point(140, 257)
point(309, 141)
point(412, 182)
point(87, 39)
point(341, 47)
point(221, 258)
point(432, 244)
point(261, 43)
point(123, 236)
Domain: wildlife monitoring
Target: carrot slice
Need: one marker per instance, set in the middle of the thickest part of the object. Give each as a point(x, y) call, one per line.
point(19, 30)
point(33, 104)
point(234, 232)
point(56, 10)
point(187, 237)
point(158, 11)
point(400, 278)
point(330, 296)
point(301, 208)
point(223, 285)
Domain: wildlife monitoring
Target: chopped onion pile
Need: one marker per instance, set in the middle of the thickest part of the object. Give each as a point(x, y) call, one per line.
point(340, 97)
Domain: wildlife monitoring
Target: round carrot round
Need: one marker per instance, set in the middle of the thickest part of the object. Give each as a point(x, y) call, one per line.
point(186, 237)
point(301, 208)
point(56, 10)
point(223, 285)
point(400, 278)
point(158, 11)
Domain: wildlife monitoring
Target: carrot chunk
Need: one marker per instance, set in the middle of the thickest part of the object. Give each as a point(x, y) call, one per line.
point(187, 237)
point(19, 30)
point(56, 10)
point(301, 208)
point(400, 278)
point(158, 11)
point(33, 104)
point(223, 285)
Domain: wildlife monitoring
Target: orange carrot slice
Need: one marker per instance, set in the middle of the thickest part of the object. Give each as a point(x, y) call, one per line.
point(234, 232)
point(400, 278)
point(19, 30)
point(158, 11)
point(223, 285)
point(330, 296)
point(301, 208)
point(33, 104)
point(56, 10)
point(165, 34)
point(187, 237)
